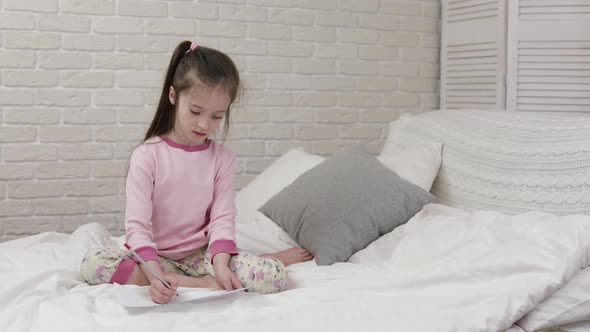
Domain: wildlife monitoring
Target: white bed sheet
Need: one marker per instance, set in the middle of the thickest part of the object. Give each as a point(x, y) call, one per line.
point(570, 304)
point(445, 270)
point(583, 326)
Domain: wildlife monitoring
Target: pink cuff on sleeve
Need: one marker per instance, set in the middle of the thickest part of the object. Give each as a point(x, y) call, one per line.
point(227, 246)
point(147, 254)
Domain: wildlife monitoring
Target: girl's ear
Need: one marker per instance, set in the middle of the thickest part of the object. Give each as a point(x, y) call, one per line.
point(172, 95)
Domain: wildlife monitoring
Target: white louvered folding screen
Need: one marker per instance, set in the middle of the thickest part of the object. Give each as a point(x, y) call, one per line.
point(549, 55)
point(473, 54)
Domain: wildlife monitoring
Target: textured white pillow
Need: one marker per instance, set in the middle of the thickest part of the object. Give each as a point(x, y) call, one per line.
point(417, 163)
point(273, 179)
point(569, 304)
point(512, 162)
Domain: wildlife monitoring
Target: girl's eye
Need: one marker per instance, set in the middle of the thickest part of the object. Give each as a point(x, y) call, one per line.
point(217, 117)
point(196, 113)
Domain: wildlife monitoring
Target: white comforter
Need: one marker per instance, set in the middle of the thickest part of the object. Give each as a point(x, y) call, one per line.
point(445, 270)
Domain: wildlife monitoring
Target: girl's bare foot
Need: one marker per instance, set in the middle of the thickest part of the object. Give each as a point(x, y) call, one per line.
point(292, 256)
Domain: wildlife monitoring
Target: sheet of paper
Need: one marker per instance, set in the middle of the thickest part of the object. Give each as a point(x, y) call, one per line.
point(134, 296)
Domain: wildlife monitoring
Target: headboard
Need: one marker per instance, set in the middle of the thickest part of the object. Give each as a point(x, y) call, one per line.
point(511, 162)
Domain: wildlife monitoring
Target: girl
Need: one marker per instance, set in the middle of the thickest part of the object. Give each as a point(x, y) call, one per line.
point(180, 207)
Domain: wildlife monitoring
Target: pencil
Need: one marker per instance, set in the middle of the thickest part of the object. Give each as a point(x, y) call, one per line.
point(154, 272)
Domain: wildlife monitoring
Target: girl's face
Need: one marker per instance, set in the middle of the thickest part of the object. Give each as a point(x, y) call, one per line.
point(199, 112)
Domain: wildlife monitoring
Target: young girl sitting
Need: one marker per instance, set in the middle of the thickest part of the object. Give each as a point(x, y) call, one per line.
point(180, 212)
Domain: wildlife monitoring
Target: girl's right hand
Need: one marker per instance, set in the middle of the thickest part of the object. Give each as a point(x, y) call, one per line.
point(160, 293)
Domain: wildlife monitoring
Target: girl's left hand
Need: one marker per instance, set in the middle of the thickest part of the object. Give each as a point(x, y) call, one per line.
point(223, 275)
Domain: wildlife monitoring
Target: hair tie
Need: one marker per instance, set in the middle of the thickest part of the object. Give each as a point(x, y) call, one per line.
point(192, 48)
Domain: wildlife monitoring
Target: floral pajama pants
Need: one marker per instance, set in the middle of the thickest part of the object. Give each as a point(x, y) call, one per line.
point(260, 274)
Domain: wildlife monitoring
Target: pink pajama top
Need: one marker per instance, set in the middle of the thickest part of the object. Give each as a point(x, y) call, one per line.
point(180, 199)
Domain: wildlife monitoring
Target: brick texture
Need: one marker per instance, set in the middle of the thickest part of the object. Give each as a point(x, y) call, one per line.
point(80, 80)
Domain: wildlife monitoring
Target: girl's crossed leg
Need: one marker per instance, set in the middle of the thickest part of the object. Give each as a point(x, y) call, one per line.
point(262, 274)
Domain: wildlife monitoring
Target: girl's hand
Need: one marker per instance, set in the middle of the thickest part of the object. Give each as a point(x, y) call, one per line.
point(160, 293)
point(223, 275)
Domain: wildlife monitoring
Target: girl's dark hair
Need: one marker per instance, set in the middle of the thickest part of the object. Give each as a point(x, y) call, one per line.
point(186, 68)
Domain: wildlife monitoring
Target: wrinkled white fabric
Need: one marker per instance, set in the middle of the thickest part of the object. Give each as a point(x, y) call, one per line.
point(445, 270)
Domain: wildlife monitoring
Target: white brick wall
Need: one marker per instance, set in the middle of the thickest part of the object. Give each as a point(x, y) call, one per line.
point(79, 80)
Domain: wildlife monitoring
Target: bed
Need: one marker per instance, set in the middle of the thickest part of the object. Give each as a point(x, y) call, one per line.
point(504, 248)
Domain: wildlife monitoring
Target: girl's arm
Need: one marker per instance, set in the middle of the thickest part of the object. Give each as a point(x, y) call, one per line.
point(222, 226)
point(138, 209)
point(227, 279)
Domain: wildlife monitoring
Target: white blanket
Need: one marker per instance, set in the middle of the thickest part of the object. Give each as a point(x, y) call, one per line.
point(445, 270)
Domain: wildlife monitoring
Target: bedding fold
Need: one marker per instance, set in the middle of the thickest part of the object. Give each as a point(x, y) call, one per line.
point(445, 270)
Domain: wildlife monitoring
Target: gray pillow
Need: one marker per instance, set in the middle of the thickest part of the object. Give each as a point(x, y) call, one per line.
point(343, 204)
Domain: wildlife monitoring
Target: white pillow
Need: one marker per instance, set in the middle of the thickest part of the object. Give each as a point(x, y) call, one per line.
point(273, 179)
point(416, 163)
point(569, 304)
point(263, 236)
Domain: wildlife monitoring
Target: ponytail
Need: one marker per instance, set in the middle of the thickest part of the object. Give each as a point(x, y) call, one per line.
point(163, 120)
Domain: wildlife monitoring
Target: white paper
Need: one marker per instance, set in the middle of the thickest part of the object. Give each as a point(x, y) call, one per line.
point(134, 296)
